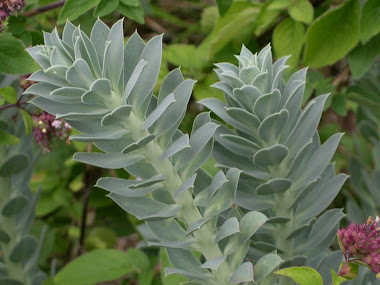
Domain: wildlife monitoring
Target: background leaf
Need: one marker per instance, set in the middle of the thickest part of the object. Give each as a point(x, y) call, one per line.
point(370, 20)
point(96, 266)
point(13, 58)
point(302, 11)
point(74, 8)
point(362, 56)
point(332, 35)
point(223, 5)
point(288, 39)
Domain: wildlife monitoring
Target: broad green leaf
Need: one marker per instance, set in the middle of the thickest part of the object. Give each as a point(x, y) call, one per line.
point(95, 266)
point(370, 20)
point(139, 260)
point(105, 7)
point(302, 275)
point(288, 38)
point(178, 54)
point(13, 58)
point(9, 94)
point(7, 138)
point(301, 11)
point(74, 8)
point(333, 35)
point(209, 17)
point(362, 56)
point(134, 13)
point(223, 5)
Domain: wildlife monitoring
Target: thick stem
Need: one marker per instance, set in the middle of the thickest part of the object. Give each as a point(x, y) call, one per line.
point(189, 212)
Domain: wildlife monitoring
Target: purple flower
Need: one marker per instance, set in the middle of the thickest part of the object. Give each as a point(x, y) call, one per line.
point(361, 243)
point(8, 8)
point(46, 127)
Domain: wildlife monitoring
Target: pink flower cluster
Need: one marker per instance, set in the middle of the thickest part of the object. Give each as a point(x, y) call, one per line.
point(46, 127)
point(362, 243)
point(9, 7)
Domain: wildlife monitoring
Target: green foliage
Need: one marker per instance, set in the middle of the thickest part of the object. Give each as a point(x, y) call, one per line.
point(339, 36)
point(302, 275)
point(101, 265)
point(288, 38)
point(113, 106)
point(19, 249)
point(13, 58)
point(332, 35)
point(302, 11)
point(369, 22)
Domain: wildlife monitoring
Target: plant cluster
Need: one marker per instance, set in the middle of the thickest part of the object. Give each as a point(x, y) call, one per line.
point(233, 184)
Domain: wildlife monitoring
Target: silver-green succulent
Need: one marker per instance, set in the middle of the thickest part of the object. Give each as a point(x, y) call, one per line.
point(19, 250)
point(104, 89)
point(287, 174)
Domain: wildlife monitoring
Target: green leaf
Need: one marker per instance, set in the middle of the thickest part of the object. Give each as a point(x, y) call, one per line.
point(288, 38)
point(236, 23)
point(331, 36)
point(13, 58)
point(139, 259)
point(178, 54)
point(301, 11)
point(105, 7)
point(279, 4)
point(28, 121)
point(133, 13)
point(362, 56)
point(302, 275)
point(7, 139)
point(339, 104)
point(9, 94)
point(370, 20)
point(74, 8)
point(96, 266)
point(223, 5)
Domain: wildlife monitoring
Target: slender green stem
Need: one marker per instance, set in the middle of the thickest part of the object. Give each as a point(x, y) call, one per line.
point(189, 212)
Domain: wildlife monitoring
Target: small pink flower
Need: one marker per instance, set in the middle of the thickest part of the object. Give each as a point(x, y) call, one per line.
point(47, 127)
point(361, 243)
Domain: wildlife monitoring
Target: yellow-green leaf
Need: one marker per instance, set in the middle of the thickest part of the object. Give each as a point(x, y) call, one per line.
point(302, 275)
point(301, 11)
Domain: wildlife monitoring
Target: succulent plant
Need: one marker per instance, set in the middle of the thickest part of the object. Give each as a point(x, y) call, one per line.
point(287, 174)
point(19, 249)
point(104, 89)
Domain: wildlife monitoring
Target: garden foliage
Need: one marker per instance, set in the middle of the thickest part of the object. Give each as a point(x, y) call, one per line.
point(19, 249)
point(224, 185)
